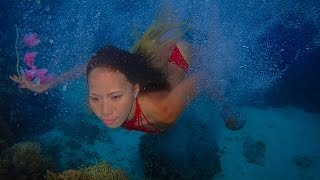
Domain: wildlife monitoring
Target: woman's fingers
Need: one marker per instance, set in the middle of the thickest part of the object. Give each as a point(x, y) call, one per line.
point(22, 85)
point(22, 81)
point(15, 78)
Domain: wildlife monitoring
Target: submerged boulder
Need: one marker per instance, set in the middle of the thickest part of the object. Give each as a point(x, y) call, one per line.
point(302, 161)
point(254, 151)
point(188, 152)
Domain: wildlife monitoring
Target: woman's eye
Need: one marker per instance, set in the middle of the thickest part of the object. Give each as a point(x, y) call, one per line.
point(94, 99)
point(116, 97)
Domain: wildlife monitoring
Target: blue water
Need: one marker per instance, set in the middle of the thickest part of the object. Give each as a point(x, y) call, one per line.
point(262, 55)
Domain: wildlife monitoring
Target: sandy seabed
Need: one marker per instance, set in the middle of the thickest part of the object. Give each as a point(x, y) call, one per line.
point(286, 132)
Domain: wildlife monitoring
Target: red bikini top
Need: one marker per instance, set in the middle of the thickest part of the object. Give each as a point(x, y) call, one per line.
point(136, 123)
point(177, 59)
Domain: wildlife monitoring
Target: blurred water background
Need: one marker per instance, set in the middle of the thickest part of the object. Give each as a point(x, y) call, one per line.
point(263, 55)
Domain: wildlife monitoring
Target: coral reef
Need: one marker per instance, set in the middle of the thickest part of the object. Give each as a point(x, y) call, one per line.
point(24, 160)
point(70, 148)
point(100, 171)
point(6, 135)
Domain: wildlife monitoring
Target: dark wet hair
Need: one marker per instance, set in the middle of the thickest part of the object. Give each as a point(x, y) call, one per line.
point(136, 69)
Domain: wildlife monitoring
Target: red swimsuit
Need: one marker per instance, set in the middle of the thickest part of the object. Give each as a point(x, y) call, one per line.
point(136, 123)
point(177, 59)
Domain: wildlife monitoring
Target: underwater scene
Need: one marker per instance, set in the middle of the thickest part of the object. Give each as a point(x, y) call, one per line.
point(259, 58)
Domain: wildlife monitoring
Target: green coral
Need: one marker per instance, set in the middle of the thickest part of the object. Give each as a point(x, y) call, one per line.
point(101, 171)
point(24, 160)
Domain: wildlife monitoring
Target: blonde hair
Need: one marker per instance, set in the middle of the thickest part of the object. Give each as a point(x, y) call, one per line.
point(157, 43)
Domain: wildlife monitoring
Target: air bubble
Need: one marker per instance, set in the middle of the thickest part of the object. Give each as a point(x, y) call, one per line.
point(64, 88)
point(47, 8)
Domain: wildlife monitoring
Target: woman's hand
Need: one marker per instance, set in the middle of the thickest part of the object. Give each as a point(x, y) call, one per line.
point(24, 83)
point(233, 120)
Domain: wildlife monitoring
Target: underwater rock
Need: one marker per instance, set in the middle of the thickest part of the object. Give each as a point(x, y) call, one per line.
point(100, 171)
point(302, 161)
point(188, 154)
point(254, 151)
point(233, 120)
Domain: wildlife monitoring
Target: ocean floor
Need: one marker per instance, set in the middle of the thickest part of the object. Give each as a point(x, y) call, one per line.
point(276, 143)
point(292, 147)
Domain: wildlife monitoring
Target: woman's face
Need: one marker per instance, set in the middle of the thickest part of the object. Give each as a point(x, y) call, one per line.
point(111, 96)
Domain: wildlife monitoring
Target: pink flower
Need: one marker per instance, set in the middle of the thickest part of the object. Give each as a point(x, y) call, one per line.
point(30, 74)
point(46, 79)
point(31, 40)
point(40, 73)
point(29, 59)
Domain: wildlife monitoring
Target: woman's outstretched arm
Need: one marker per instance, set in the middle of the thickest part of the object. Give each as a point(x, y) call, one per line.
point(233, 120)
point(74, 73)
point(172, 106)
point(177, 99)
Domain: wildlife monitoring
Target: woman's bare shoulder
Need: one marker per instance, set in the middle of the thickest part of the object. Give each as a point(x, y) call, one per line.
point(153, 107)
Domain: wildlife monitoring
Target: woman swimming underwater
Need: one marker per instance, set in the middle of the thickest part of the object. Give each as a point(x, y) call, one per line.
point(145, 89)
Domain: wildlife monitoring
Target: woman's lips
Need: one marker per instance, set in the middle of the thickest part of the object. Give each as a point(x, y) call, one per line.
point(109, 121)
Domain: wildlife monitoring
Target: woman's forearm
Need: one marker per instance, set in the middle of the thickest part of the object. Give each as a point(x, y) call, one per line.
point(74, 73)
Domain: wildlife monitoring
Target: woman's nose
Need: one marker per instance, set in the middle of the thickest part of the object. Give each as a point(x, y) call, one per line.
point(106, 109)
